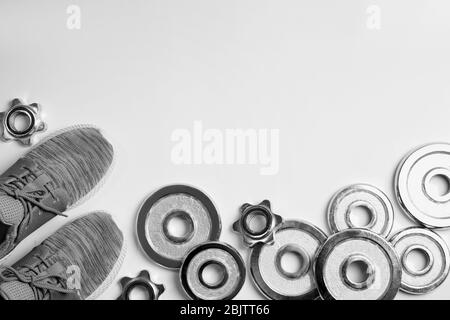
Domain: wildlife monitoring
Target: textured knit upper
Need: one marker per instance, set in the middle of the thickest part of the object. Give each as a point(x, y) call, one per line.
point(92, 243)
point(76, 159)
point(73, 161)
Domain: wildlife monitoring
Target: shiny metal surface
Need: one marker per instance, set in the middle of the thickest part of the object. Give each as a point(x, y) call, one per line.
point(143, 280)
point(383, 269)
point(300, 238)
point(32, 113)
point(264, 235)
point(180, 201)
point(212, 253)
point(437, 255)
point(374, 200)
point(413, 185)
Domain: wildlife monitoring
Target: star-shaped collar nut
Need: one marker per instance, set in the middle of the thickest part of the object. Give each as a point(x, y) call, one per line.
point(33, 122)
point(253, 232)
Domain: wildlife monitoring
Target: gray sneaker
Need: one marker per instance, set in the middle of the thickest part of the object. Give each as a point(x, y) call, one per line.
point(53, 177)
point(79, 261)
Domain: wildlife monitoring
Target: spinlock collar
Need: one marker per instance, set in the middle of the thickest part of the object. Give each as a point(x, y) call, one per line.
point(32, 114)
point(264, 234)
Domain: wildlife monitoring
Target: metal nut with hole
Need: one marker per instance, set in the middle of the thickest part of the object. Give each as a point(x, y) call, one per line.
point(34, 123)
point(143, 280)
point(251, 235)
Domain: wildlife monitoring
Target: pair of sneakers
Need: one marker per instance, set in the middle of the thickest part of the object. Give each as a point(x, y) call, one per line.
point(82, 258)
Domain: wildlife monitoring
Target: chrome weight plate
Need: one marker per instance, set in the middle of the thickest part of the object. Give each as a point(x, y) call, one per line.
point(226, 260)
point(270, 276)
point(379, 209)
point(435, 253)
point(181, 202)
point(414, 185)
point(354, 249)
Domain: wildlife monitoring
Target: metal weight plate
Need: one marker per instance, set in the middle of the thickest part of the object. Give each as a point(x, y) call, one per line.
point(376, 203)
point(435, 252)
point(413, 181)
point(345, 249)
point(176, 201)
point(223, 256)
point(299, 238)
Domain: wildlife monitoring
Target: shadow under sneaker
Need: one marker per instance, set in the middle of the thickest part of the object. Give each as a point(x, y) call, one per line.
point(54, 176)
point(79, 261)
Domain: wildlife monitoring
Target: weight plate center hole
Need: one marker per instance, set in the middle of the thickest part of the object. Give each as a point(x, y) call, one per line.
point(292, 262)
point(438, 186)
point(20, 121)
point(178, 227)
point(213, 275)
point(358, 273)
point(361, 216)
point(256, 222)
point(417, 260)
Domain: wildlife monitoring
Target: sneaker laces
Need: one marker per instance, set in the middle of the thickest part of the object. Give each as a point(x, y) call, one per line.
point(39, 281)
point(28, 199)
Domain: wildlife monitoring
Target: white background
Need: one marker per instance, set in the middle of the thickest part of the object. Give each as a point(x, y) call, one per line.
point(349, 101)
